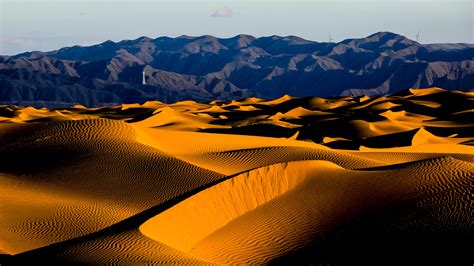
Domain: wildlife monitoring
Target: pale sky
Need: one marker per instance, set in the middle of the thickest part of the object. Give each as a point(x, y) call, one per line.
point(44, 25)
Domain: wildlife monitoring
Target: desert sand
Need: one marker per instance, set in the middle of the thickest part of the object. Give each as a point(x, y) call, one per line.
point(249, 181)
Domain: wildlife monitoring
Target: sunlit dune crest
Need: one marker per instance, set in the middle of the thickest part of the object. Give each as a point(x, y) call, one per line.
point(251, 181)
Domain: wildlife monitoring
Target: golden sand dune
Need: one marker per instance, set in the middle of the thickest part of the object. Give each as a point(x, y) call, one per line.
point(311, 197)
point(307, 180)
point(169, 118)
point(83, 159)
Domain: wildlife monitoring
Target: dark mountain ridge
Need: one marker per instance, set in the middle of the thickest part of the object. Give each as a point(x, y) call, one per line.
point(206, 68)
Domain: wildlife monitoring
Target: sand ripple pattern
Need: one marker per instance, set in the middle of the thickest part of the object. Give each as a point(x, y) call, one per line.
point(83, 171)
point(262, 218)
point(192, 184)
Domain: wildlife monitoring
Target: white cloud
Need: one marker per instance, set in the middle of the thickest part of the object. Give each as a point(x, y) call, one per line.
point(222, 12)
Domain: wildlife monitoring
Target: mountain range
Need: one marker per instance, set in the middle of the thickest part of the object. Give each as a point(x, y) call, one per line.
point(206, 68)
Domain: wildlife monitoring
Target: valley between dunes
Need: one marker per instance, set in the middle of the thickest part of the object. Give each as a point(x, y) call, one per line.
point(284, 181)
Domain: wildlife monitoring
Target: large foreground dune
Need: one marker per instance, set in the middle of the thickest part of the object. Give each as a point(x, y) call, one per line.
point(307, 180)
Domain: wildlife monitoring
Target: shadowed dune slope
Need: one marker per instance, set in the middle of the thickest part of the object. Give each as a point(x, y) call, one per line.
point(82, 170)
point(290, 213)
point(408, 118)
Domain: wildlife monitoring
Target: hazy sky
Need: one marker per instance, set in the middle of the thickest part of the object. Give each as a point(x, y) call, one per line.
point(52, 24)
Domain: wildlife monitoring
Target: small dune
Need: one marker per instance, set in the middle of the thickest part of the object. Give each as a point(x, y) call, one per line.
point(342, 180)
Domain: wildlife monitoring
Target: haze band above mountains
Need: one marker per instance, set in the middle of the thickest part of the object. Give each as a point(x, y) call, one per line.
point(206, 68)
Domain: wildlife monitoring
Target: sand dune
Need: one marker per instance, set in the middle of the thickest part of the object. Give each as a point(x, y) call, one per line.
point(307, 180)
point(87, 158)
point(331, 195)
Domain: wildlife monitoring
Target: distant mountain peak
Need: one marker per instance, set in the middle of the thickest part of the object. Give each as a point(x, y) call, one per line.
point(144, 39)
point(186, 37)
point(381, 40)
point(108, 42)
point(384, 34)
point(387, 36)
point(244, 36)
